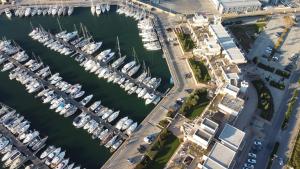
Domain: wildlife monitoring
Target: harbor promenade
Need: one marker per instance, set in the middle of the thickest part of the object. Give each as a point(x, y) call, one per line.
point(23, 148)
point(68, 99)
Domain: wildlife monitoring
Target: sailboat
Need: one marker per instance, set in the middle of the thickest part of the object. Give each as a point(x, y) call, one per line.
point(93, 9)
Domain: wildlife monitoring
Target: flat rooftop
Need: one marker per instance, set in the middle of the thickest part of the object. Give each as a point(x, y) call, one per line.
point(228, 44)
point(239, 3)
point(233, 103)
point(220, 157)
point(232, 136)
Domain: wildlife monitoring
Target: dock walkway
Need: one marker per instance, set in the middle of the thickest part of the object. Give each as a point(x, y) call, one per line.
point(68, 98)
point(23, 148)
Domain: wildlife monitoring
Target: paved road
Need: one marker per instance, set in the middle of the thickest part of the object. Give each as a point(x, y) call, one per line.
point(288, 137)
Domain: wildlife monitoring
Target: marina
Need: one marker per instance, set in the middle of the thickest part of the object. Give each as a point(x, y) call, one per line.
point(41, 55)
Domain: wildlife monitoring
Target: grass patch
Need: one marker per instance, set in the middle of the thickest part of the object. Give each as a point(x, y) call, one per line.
point(195, 104)
point(265, 100)
point(164, 123)
point(200, 71)
point(282, 73)
point(277, 85)
point(266, 67)
point(294, 160)
point(289, 109)
point(161, 151)
point(186, 41)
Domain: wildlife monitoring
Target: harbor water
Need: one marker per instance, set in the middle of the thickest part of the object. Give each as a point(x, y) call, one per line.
point(79, 146)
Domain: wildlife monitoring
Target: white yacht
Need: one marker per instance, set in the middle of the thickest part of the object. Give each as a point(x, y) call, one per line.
point(62, 164)
point(120, 122)
point(115, 146)
point(70, 10)
point(126, 124)
point(117, 63)
point(133, 71)
point(128, 66)
point(113, 116)
point(86, 99)
point(131, 128)
point(107, 114)
point(57, 159)
point(95, 105)
point(98, 9)
point(8, 13)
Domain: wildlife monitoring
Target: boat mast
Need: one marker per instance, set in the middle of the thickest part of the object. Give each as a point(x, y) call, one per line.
point(59, 24)
point(118, 45)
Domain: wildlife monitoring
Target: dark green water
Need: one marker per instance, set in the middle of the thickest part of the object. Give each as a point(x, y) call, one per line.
point(78, 144)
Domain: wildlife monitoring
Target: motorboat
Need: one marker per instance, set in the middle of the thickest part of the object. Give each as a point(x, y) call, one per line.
point(81, 120)
point(95, 105)
point(131, 128)
point(30, 136)
point(52, 155)
point(17, 162)
point(103, 134)
point(78, 94)
point(9, 154)
point(62, 164)
point(86, 100)
point(102, 54)
point(108, 58)
point(113, 116)
point(142, 93)
point(111, 141)
point(6, 149)
point(107, 114)
point(3, 142)
point(98, 9)
point(120, 122)
point(126, 124)
point(70, 10)
point(57, 159)
point(115, 146)
point(8, 13)
point(12, 158)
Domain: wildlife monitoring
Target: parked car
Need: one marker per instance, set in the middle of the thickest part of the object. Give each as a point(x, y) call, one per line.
point(149, 139)
point(249, 165)
point(257, 143)
point(252, 155)
point(131, 161)
point(251, 160)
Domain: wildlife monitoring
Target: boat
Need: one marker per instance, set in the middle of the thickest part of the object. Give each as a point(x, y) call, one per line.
point(9, 154)
point(95, 105)
point(62, 164)
point(98, 9)
point(120, 122)
point(11, 159)
point(107, 114)
point(39, 144)
point(70, 10)
point(128, 66)
point(133, 71)
point(103, 134)
point(131, 128)
point(81, 120)
point(108, 58)
point(17, 162)
point(115, 146)
point(51, 155)
point(117, 63)
point(126, 124)
point(111, 141)
point(86, 99)
point(57, 159)
point(102, 54)
point(30, 136)
point(6, 149)
point(3, 142)
point(93, 9)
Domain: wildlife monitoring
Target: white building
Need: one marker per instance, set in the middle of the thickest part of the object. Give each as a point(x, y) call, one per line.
point(199, 20)
point(231, 51)
point(231, 105)
point(232, 137)
point(220, 157)
point(236, 6)
point(202, 134)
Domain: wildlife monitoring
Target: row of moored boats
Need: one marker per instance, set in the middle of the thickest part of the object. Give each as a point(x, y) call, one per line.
point(39, 11)
point(20, 128)
point(116, 71)
point(30, 76)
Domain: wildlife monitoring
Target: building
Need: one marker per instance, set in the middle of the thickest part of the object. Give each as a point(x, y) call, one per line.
point(236, 6)
point(202, 134)
point(230, 50)
point(231, 105)
point(220, 157)
point(199, 20)
point(232, 137)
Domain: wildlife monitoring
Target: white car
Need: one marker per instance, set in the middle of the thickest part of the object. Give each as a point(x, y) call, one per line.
point(252, 161)
point(248, 165)
point(252, 155)
point(257, 143)
point(149, 139)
